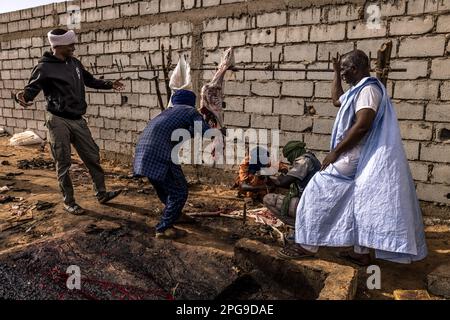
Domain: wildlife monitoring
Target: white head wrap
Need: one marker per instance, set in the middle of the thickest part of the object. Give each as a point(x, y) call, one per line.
point(63, 40)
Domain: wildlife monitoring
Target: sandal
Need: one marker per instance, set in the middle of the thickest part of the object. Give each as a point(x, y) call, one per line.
point(294, 253)
point(347, 255)
point(74, 209)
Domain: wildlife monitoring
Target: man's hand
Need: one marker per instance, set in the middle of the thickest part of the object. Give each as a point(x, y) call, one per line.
point(117, 85)
point(337, 64)
point(21, 100)
point(330, 158)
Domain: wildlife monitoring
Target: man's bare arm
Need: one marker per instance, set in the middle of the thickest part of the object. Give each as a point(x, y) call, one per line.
point(337, 90)
point(282, 181)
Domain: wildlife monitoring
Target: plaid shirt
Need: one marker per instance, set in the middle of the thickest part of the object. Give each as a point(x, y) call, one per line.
point(154, 148)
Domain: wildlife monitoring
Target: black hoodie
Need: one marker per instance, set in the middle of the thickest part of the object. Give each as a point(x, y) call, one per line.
point(63, 85)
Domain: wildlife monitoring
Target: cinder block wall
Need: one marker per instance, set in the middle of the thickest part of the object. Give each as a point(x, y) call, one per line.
point(299, 32)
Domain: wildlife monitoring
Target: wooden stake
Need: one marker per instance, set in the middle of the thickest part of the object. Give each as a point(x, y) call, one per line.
point(383, 62)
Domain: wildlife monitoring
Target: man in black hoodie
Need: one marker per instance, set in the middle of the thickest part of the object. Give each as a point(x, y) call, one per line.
point(63, 78)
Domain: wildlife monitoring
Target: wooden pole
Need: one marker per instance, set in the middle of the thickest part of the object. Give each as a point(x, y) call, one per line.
point(383, 62)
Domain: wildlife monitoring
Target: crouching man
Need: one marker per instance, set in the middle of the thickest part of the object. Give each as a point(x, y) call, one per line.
point(304, 166)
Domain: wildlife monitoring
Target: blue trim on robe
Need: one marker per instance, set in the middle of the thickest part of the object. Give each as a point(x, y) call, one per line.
point(378, 208)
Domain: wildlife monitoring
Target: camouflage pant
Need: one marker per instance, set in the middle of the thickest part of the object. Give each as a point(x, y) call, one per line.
point(274, 202)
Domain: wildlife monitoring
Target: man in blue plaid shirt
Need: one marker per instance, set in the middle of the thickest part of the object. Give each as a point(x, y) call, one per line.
point(153, 158)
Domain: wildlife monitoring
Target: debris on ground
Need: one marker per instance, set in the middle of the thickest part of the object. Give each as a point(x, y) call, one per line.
point(14, 174)
point(36, 163)
point(6, 198)
point(438, 281)
point(101, 226)
point(433, 221)
point(4, 189)
point(44, 205)
point(5, 163)
point(411, 295)
point(22, 210)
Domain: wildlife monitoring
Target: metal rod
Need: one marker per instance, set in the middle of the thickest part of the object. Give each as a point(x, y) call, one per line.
point(253, 69)
point(165, 71)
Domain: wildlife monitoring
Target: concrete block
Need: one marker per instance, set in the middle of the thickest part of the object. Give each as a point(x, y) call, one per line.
point(237, 88)
point(317, 141)
point(292, 34)
point(443, 24)
point(109, 13)
point(273, 19)
point(322, 125)
point(300, 52)
point(336, 13)
point(129, 9)
point(440, 173)
point(296, 123)
point(435, 152)
point(415, 69)
point(422, 47)
point(258, 105)
point(440, 68)
point(332, 48)
point(266, 89)
point(359, 30)
point(409, 111)
point(438, 112)
point(289, 106)
point(234, 104)
point(260, 36)
point(170, 6)
point(411, 25)
point(422, 6)
point(297, 88)
point(264, 122)
point(159, 30)
point(439, 193)
point(237, 119)
point(231, 39)
point(181, 27)
point(334, 32)
point(262, 54)
point(149, 7)
point(414, 130)
point(304, 16)
point(217, 24)
point(242, 23)
point(418, 89)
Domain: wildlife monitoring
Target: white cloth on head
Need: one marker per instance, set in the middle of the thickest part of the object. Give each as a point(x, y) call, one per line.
point(62, 40)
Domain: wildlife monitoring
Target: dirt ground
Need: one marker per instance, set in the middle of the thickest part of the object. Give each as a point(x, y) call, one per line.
point(115, 248)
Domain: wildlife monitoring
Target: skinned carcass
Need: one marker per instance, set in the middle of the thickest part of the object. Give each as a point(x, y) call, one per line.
point(212, 93)
point(211, 103)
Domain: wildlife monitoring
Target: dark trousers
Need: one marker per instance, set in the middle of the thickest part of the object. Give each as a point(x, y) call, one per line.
point(64, 132)
point(173, 192)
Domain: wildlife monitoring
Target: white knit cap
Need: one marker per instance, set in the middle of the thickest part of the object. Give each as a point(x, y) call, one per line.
point(63, 40)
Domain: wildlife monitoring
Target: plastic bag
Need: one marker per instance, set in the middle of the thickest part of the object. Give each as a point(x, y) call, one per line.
point(181, 77)
point(25, 138)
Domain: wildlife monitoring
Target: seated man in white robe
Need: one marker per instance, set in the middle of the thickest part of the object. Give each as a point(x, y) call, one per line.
point(364, 195)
